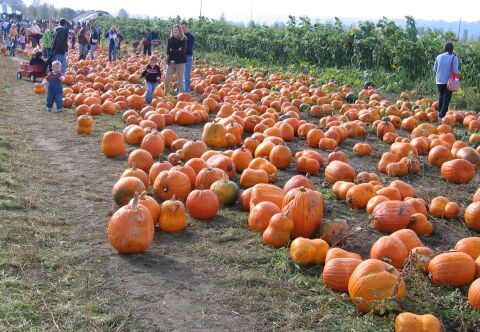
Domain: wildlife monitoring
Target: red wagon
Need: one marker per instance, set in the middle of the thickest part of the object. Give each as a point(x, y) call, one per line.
point(31, 72)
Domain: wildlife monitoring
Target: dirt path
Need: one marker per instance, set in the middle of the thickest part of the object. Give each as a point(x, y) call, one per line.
point(171, 287)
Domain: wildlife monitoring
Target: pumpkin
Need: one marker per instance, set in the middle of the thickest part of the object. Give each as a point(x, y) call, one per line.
point(455, 269)
point(251, 177)
point(474, 295)
point(136, 172)
point(423, 256)
point(308, 251)
point(245, 198)
point(214, 135)
point(339, 171)
point(193, 149)
point(337, 272)
point(125, 188)
point(362, 149)
point(420, 224)
point(385, 126)
point(385, 160)
point(397, 169)
point(298, 181)
point(403, 149)
point(260, 215)
point(472, 216)
point(409, 322)
point(154, 143)
point(142, 159)
point(337, 155)
point(476, 196)
point(441, 207)
point(188, 171)
point(391, 250)
point(277, 234)
point(224, 163)
point(358, 196)
point(333, 253)
point(341, 188)
point(470, 154)
point(470, 246)
point(391, 216)
point(374, 201)
point(458, 171)
point(156, 168)
point(241, 158)
point(226, 191)
point(131, 229)
point(266, 192)
point(151, 204)
point(305, 208)
point(409, 238)
point(172, 183)
point(406, 190)
point(39, 88)
point(334, 232)
point(207, 176)
point(307, 165)
point(280, 156)
point(84, 124)
point(113, 144)
point(136, 102)
point(439, 155)
point(373, 281)
point(391, 193)
point(417, 204)
point(202, 204)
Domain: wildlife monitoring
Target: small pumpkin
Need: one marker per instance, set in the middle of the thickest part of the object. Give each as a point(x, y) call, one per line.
point(308, 251)
point(358, 196)
point(142, 159)
point(251, 177)
point(420, 224)
point(280, 156)
point(154, 143)
point(84, 124)
point(113, 144)
point(339, 171)
point(474, 295)
point(335, 232)
point(391, 216)
point(151, 204)
point(227, 191)
point(172, 183)
point(202, 204)
point(336, 252)
point(131, 229)
point(125, 188)
point(260, 215)
point(136, 172)
point(362, 149)
point(472, 216)
point(391, 250)
point(172, 216)
point(409, 322)
point(277, 234)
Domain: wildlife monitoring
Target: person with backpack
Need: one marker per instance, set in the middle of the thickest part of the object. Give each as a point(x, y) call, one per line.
point(60, 45)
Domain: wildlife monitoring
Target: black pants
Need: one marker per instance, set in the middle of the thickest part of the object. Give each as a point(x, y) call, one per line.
point(443, 99)
point(147, 49)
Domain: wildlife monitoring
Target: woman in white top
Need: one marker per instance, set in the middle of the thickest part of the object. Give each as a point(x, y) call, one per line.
point(445, 65)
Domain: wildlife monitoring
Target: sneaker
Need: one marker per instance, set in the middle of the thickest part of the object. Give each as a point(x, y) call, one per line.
point(60, 110)
point(49, 109)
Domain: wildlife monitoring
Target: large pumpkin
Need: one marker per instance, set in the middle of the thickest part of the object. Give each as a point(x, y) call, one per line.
point(373, 281)
point(458, 171)
point(391, 250)
point(172, 183)
point(472, 216)
point(202, 204)
point(455, 269)
point(305, 207)
point(470, 246)
point(113, 144)
point(391, 216)
point(131, 229)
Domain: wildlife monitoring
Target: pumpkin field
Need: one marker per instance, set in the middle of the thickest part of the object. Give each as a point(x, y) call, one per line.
point(259, 202)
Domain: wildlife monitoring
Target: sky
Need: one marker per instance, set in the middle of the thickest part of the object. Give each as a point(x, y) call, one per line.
point(270, 11)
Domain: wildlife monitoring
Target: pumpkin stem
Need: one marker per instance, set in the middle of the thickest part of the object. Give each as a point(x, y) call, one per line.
point(142, 195)
point(174, 198)
point(302, 189)
point(135, 200)
point(387, 260)
point(114, 127)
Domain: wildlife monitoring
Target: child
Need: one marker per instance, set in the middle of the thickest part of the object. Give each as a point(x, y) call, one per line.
point(116, 48)
point(55, 89)
point(13, 43)
point(37, 58)
point(152, 77)
point(10, 45)
point(22, 39)
point(124, 49)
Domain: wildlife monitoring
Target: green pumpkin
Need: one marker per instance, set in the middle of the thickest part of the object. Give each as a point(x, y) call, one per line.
point(227, 191)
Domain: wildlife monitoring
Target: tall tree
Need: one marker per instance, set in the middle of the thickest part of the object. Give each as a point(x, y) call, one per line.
point(122, 13)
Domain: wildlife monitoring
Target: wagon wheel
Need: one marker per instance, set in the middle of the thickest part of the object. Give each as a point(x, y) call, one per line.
point(32, 78)
point(19, 75)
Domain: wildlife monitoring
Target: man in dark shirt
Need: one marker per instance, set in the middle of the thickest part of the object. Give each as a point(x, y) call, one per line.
point(190, 47)
point(60, 44)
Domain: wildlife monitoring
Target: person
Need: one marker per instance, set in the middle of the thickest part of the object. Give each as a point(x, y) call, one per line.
point(47, 40)
point(11, 46)
point(82, 44)
point(22, 40)
point(73, 39)
point(190, 47)
point(147, 43)
point(13, 31)
point(124, 49)
point(37, 59)
point(111, 36)
point(176, 57)
point(55, 89)
point(93, 42)
point(152, 76)
point(446, 63)
point(35, 34)
point(60, 44)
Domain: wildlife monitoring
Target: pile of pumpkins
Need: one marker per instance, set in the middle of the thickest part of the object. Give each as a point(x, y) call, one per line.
point(246, 146)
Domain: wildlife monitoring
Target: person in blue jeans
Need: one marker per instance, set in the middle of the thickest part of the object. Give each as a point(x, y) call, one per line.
point(60, 44)
point(190, 47)
point(111, 36)
point(55, 88)
point(152, 76)
point(445, 64)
